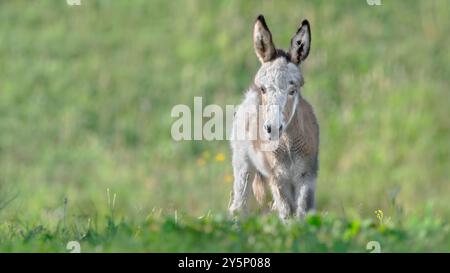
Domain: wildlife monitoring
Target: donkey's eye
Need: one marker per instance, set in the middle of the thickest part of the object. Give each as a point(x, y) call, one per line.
point(292, 88)
point(263, 89)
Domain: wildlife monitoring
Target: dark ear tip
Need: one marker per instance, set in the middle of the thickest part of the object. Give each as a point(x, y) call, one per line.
point(262, 21)
point(260, 18)
point(305, 22)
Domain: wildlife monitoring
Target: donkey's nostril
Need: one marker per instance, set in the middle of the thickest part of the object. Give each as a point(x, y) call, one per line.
point(268, 128)
point(281, 128)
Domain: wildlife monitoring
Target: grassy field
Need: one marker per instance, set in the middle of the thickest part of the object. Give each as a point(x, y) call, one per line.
point(86, 153)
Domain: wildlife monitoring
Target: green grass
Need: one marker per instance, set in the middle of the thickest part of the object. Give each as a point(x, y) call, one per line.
point(215, 233)
point(85, 99)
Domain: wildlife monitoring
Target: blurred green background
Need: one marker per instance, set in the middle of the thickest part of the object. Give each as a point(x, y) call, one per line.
point(86, 94)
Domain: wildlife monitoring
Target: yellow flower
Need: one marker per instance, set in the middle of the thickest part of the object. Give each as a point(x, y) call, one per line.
point(201, 162)
point(228, 178)
point(379, 213)
point(220, 157)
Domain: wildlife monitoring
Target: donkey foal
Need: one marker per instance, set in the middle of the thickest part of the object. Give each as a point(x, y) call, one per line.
point(277, 145)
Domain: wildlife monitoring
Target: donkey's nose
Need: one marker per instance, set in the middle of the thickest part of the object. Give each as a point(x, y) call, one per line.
point(268, 128)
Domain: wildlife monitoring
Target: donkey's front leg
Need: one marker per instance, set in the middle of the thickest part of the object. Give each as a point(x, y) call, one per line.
point(282, 198)
point(244, 173)
point(304, 194)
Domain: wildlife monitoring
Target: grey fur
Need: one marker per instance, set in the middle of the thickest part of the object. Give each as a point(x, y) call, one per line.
point(289, 170)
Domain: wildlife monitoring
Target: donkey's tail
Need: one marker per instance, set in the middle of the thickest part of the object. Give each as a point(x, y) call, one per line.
point(259, 189)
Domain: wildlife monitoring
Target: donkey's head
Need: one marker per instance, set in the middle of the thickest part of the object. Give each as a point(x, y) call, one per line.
point(279, 78)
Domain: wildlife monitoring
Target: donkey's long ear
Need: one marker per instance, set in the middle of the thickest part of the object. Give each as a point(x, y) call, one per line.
point(300, 43)
point(262, 40)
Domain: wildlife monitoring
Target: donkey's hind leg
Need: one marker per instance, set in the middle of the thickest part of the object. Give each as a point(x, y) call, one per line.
point(244, 174)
